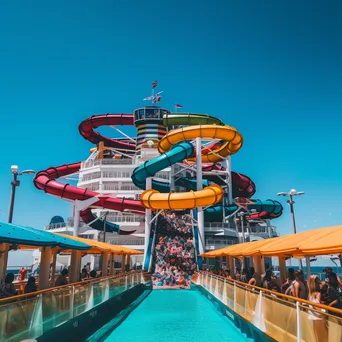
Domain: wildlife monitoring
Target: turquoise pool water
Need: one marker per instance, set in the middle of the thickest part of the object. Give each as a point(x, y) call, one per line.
point(174, 315)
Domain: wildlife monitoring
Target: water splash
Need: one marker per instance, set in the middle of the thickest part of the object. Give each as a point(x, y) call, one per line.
point(259, 321)
point(36, 324)
point(224, 294)
point(216, 293)
point(106, 292)
point(199, 278)
point(90, 303)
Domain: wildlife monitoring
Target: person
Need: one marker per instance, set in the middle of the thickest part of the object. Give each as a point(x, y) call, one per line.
point(7, 289)
point(22, 274)
point(245, 275)
point(333, 297)
point(329, 271)
point(93, 274)
point(289, 281)
point(87, 267)
point(317, 319)
point(255, 279)
point(324, 292)
point(299, 289)
point(267, 279)
point(31, 285)
point(62, 278)
point(269, 282)
point(84, 274)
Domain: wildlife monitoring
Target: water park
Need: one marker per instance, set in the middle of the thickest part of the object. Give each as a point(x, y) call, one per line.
point(162, 228)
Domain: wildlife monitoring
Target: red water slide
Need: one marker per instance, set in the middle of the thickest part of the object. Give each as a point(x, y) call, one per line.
point(242, 185)
point(46, 181)
point(86, 129)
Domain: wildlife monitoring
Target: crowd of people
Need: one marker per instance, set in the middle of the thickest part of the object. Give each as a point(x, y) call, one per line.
point(174, 253)
point(327, 292)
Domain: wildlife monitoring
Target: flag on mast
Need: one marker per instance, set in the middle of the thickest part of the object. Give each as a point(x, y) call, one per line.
point(154, 84)
point(177, 105)
point(154, 98)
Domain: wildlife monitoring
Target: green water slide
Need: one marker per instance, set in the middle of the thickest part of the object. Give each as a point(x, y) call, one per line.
point(184, 119)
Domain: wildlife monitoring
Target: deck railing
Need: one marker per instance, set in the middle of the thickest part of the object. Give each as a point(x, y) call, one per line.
point(282, 317)
point(30, 315)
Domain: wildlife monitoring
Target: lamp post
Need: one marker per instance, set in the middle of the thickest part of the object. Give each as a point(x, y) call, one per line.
point(15, 182)
point(291, 202)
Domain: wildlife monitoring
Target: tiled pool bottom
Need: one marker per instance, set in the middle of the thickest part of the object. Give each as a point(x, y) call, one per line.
point(176, 315)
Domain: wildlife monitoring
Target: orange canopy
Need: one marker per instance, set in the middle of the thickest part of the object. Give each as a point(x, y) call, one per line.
point(98, 247)
point(313, 242)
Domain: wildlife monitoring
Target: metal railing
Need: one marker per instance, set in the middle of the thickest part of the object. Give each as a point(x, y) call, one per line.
point(97, 162)
point(30, 316)
point(282, 317)
point(136, 242)
point(116, 186)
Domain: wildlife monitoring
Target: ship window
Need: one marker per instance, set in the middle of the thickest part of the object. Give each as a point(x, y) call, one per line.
point(152, 113)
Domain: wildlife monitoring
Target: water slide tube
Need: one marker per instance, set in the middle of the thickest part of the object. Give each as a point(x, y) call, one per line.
point(86, 129)
point(242, 185)
point(268, 209)
point(46, 180)
point(210, 195)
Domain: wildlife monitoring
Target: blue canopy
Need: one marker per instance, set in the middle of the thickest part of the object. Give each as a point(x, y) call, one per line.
point(20, 235)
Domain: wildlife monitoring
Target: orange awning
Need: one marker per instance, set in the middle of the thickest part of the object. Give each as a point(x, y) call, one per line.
point(98, 247)
point(313, 242)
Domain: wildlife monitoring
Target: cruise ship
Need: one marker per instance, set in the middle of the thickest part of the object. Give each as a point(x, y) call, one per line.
point(111, 164)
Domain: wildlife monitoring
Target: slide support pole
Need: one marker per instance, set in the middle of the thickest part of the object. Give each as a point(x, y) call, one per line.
point(147, 221)
point(76, 220)
point(229, 180)
point(200, 213)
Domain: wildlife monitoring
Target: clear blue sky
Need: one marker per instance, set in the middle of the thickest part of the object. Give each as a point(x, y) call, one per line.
point(272, 69)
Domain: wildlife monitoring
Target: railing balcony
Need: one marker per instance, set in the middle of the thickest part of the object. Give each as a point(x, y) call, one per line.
point(127, 242)
point(97, 162)
point(281, 317)
point(37, 313)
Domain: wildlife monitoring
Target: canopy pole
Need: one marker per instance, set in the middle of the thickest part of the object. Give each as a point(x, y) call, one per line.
point(75, 266)
point(53, 269)
point(112, 264)
point(3, 261)
point(259, 264)
point(308, 267)
point(230, 264)
point(105, 258)
point(45, 259)
point(282, 268)
point(123, 263)
point(128, 261)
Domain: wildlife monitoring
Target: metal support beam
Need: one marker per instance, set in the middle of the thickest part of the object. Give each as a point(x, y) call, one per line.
point(148, 214)
point(200, 212)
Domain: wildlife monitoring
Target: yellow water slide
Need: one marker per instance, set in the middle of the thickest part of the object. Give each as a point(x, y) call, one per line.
point(232, 142)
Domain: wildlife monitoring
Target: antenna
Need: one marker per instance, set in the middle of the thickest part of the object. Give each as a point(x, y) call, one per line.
point(155, 98)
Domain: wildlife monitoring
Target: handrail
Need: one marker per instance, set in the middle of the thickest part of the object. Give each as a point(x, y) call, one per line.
point(84, 282)
point(278, 294)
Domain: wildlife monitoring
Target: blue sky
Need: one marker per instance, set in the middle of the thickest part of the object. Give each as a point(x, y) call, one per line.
point(272, 69)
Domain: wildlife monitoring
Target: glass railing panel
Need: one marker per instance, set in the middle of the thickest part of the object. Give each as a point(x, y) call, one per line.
point(83, 298)
point(19, 319)
point(99, 290)
point(56, 307)
point(279, 317)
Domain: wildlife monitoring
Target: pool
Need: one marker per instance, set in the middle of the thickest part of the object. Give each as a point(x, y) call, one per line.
point(176, 315)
